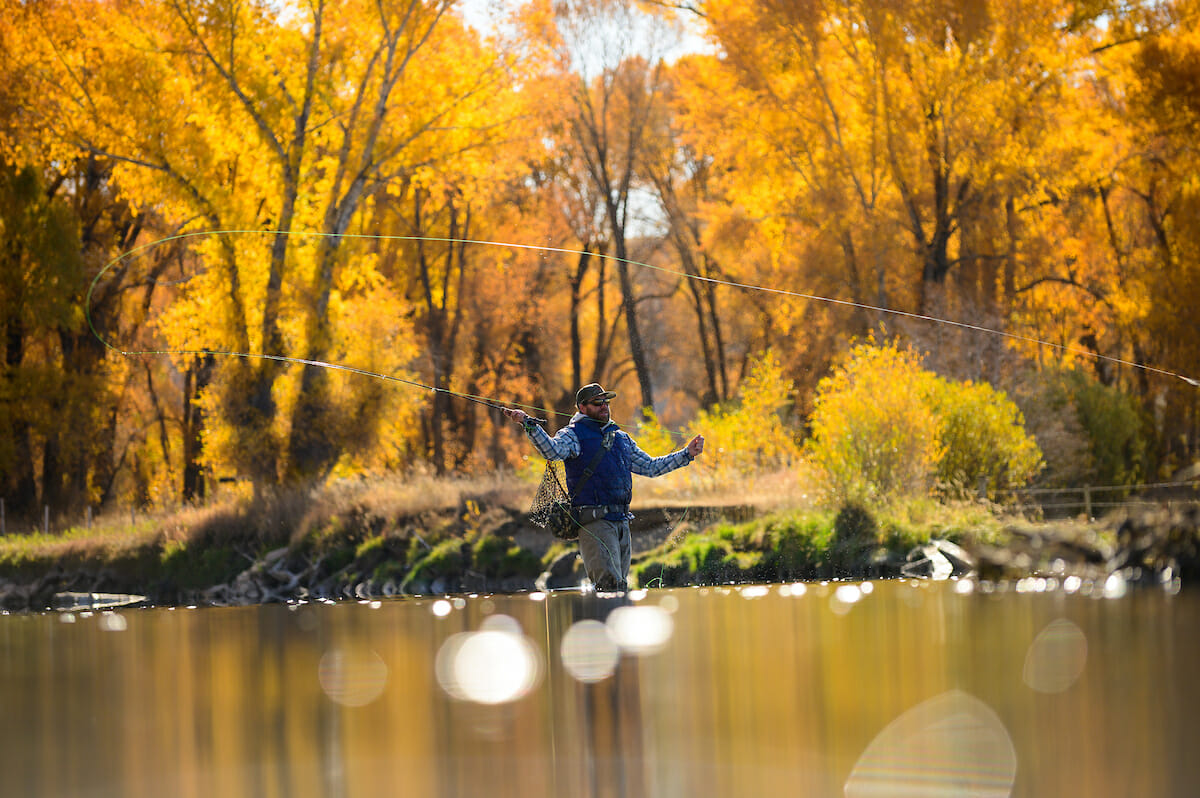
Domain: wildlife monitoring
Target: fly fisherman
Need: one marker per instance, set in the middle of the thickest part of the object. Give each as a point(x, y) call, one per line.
point(593, 442)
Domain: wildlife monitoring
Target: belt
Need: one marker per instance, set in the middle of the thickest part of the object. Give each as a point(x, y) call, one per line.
point(592, 512)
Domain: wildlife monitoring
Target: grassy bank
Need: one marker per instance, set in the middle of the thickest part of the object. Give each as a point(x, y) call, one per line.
point(174, 553)
point(814, 543)
point(436, 535)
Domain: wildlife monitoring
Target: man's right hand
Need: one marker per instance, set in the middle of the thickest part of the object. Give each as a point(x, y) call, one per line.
point(516, 414)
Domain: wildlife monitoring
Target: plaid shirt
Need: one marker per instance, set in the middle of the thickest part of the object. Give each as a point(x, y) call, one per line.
point(565, 445)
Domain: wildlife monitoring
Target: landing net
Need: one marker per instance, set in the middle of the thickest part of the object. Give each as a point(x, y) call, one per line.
point(549, 493)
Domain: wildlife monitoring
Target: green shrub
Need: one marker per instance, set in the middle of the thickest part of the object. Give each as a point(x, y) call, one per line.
point(982, 435)
point(1116, 430)
point(371, 547)
point(500, 557)
point(195, 566)
point(1091, 434)
point(444, 559)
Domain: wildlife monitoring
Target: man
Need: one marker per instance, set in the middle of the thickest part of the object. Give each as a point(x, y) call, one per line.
point(602, 503)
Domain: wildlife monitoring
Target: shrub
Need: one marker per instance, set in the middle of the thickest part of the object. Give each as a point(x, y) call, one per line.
point(883, 427)
point(1115, 428)
point(748, 436)
point(444, 559)
point(751, 435)
point(982, 435)
point(198, 566)
point(874, 432)
point(500, 557)
point(1091, 433)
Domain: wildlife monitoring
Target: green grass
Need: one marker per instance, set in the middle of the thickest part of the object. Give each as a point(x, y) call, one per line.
point(808, 544)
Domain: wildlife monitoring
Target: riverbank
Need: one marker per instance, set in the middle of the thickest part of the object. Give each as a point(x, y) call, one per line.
point(366, 541)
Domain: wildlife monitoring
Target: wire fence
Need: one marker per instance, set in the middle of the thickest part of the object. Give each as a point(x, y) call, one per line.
point(46, 522)
point(1092, 501)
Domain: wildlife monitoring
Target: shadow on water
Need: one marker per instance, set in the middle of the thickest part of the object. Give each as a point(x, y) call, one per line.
point(889, 688)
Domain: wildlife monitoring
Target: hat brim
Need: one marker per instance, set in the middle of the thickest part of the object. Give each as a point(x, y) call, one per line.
point(605, 395)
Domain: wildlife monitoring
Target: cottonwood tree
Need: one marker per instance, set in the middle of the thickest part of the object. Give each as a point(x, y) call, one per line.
point(610, 54)
point(284, 121)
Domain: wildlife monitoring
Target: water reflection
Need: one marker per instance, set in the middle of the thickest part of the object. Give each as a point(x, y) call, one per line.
point(640, 630)
point(352, 677)
point(885, 688)
point(589, 652)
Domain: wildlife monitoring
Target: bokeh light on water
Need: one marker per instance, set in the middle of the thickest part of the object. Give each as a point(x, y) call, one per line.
point(640, 630)
point(495, 665)
point(352, 677)
point(1056, 657)
point(589, 652)
point(952, 744)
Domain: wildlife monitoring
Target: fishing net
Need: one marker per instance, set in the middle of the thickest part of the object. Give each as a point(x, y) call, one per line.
point(551, 505)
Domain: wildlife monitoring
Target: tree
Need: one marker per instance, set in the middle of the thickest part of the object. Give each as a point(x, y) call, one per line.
point(680, 176)
point(39, 259)
point(1151, 204)
point(877, 142)
point(286, 122)
point(611, 53)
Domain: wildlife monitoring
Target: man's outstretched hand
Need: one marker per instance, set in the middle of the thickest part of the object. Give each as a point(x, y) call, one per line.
point(696, 446)
point(516, 414)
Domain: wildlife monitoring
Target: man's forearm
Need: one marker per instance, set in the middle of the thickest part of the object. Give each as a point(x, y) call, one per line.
point(647, 466)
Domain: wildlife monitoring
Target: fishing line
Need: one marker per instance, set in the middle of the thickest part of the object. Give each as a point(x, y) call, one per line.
point(273, 357)
point(492, 403)
point(667, 542)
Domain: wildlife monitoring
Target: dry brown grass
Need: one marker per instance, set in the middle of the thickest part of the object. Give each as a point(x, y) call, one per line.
point(784, 489)
point(235, 518)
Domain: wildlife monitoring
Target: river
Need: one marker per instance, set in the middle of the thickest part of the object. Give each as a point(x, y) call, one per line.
point(1035, 688)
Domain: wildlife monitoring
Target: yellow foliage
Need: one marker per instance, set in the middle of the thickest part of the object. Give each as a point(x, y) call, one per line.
point(883, 427)
point(874, 432)
point(750, 437)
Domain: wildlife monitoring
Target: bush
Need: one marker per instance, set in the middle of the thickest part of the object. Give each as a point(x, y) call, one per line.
point(1091, 434)
point(884, 428)
point(1116, 430)
point(874, 432)
point(500, 557)
point(199, 566)
point(748, 436)
point(982, 435)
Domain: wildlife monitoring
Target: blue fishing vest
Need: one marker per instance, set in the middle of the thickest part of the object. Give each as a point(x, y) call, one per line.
point(612, 481)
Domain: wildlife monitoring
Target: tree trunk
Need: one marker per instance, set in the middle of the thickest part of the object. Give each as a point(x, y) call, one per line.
point(581, 268)
point(632, 328)
point(21, 490)
point(196, 380)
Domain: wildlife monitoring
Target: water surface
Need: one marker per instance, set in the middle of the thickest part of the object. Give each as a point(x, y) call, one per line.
point(890, 688)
